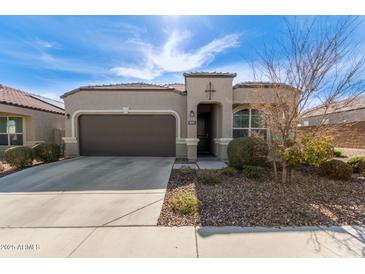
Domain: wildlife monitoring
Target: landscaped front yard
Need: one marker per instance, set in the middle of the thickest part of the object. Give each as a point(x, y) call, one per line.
point(236, 200)
point(20, 157)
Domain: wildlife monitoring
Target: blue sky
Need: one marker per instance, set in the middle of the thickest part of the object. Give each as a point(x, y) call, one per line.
point(51, 55)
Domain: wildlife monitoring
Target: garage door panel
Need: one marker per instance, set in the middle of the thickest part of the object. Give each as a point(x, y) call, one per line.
point(127, 135)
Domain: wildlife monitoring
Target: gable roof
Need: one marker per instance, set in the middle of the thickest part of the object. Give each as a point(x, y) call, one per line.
point(16, 97)
point(339, 106)
point(128, 87)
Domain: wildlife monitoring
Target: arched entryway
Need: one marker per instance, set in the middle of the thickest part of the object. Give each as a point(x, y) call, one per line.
point(208, 128)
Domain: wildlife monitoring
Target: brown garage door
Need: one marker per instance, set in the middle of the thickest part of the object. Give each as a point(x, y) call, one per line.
point(127, 135)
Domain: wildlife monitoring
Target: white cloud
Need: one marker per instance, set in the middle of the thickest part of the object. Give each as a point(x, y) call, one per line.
point(143, 73)
point(45, 44)
point(63, 64)
point(244, 72)
point(171, 58)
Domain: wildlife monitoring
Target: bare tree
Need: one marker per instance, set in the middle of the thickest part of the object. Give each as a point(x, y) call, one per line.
point(318, 63)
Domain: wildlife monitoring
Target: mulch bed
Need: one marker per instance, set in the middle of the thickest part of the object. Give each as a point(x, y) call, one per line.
point(238, 201)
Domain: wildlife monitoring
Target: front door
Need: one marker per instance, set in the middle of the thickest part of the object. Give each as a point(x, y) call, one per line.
point(203, 132)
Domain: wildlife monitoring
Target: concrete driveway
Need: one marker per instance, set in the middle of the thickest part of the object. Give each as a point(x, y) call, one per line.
point(86, 191)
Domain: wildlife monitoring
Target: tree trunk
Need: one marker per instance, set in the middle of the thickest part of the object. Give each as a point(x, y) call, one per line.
point(284, 175)
point(275, 169)
point(290, 174)
point(273, 153)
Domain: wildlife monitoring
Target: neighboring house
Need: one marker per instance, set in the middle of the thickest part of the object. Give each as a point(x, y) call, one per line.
point(26, 119)
point(199, 117)
point(345, 121)
point(339, 112)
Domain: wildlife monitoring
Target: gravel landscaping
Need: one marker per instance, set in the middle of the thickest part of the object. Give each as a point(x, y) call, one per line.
point(7, 169)
point(238, 201)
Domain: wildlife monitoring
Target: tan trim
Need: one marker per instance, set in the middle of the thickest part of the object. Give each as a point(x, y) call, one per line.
point(70, 140)
point(180, 141)
point(222, 141)
point(241, 107)
point(191, 141)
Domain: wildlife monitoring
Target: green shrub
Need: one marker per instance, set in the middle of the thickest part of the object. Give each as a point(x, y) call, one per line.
point(209, 177)
point(336, 169)
point(185, 203)
point(362, 174)
point(19, 156)
point(338, 153)
point(316, 149)
point(357, 163)
point(253, 172)
point(187, 170)
point(228, 171)
point(46, 152)
point(293, 155)
point(247, 151)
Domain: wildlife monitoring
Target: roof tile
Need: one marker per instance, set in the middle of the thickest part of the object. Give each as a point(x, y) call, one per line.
point(21, 98)
point(209, 74)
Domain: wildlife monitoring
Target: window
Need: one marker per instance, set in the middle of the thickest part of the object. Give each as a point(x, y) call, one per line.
point(249, 122)
point(11, 131)
point(306, 123)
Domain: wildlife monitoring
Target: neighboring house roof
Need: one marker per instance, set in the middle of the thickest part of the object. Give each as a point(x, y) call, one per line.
point(16, 97)
point(339, 106)
point(52, 102)
point(177, 86)
point(210, 74)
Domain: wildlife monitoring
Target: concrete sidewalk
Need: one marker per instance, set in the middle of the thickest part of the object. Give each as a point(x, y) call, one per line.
point(154, 241)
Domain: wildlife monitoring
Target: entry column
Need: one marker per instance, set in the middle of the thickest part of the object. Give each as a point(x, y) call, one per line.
point(226, 136)
point(192, 140)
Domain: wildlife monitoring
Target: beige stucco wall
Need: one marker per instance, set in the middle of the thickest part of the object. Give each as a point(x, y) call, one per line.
point(38, 126)
point(196, 88)
point(107, 100)
point(263, 95)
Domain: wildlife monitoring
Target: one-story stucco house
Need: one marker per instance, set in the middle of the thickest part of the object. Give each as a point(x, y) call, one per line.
point(27, 119)
point(199, 117)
